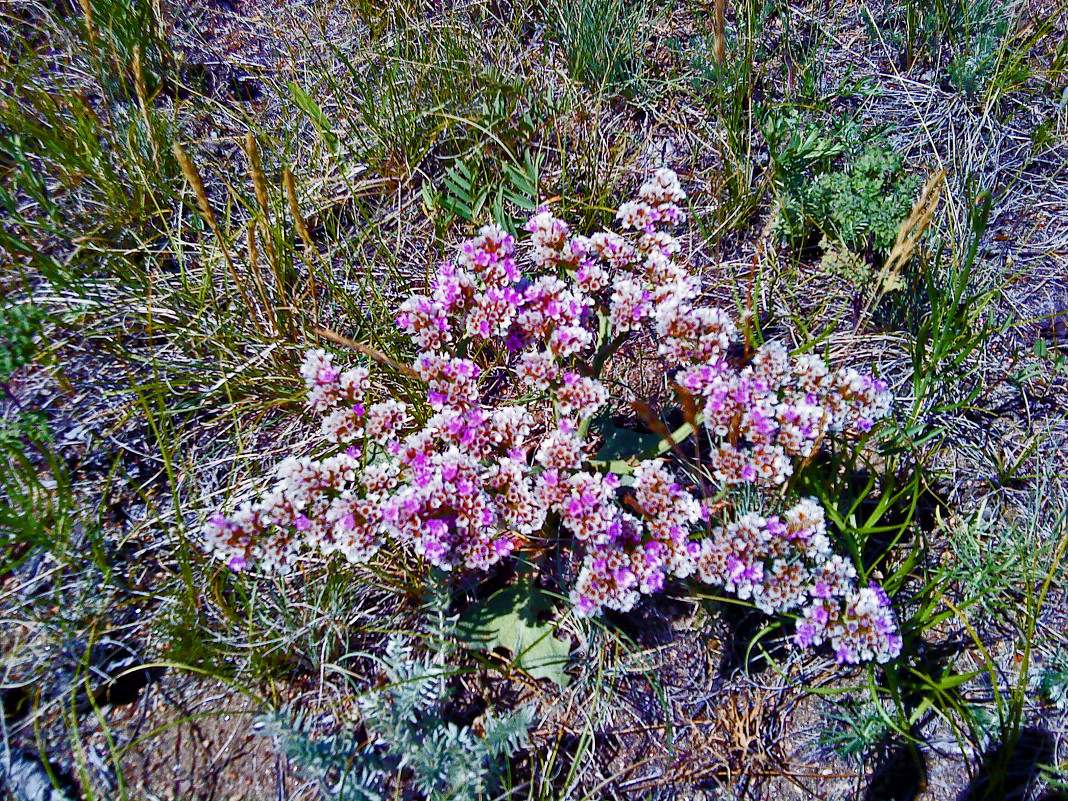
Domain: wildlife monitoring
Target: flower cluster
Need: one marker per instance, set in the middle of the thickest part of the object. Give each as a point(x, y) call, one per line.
point(487, 466)
point(860, 626)
point(775, 409)
point(314, 502)
point(786, 564)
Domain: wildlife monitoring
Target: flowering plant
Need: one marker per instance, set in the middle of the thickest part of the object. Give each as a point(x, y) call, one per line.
point(502, 457)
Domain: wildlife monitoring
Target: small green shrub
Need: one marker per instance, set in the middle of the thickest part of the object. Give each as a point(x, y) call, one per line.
point(864, 203)
point(844, 182)
point(19, 325)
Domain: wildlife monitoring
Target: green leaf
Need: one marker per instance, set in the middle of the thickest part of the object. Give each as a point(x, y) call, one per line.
point(462, 198)
point(509, 619)
point(524, 180)
point(308, 105)
point(622, 444)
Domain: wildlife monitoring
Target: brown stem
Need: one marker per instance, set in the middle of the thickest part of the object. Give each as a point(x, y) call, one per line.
point(367, 350)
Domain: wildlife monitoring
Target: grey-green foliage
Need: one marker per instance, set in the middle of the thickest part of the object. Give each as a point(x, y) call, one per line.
point(406, 730)
point(853, 728)
point(984, 25)
point(965, 38)
point(842, 181)
point(1054, 680)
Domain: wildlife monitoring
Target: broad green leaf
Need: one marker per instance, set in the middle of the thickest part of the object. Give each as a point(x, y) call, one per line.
point(622, 444)
point(509, 619)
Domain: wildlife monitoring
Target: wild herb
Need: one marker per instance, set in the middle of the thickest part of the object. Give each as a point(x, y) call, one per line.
point(405, 731)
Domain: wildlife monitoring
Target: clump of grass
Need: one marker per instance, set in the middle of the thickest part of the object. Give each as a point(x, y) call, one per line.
point(85, 177)
point(128, 45)
point(603, 42)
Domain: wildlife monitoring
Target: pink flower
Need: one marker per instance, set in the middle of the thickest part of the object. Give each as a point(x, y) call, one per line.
point(498, 454)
